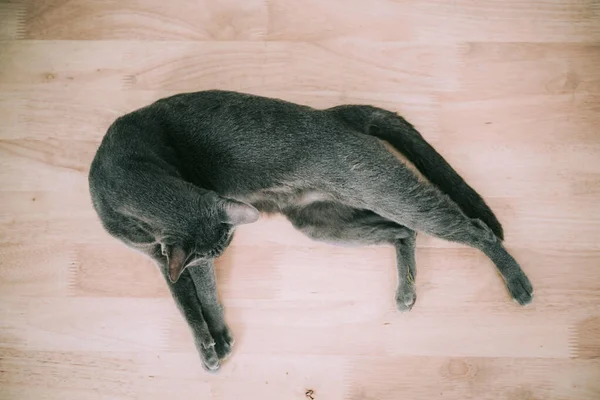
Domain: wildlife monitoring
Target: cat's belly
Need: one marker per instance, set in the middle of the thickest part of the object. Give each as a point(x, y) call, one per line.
point(277, 199)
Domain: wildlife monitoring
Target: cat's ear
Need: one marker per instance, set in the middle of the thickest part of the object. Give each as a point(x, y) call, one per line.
point(238, 213)
point(176, 258)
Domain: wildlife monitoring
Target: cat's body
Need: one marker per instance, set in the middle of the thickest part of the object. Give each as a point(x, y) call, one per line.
point(174, 178)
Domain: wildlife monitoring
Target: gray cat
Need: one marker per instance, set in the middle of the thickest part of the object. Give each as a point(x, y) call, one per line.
point(175, 178)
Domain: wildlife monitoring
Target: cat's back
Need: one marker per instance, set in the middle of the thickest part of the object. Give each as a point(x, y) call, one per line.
point(215, 119)
point(197, 126)
point(232, 114)
point(217, 139)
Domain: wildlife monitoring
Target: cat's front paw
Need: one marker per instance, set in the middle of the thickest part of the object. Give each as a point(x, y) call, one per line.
point(520, 289)
point(208, 354)
point(406, 296)
point(223, 343)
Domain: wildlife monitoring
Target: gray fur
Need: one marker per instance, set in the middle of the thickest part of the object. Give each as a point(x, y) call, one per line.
point(173, 180)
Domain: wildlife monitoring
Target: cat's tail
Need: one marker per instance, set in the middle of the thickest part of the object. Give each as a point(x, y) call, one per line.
point(406, 139)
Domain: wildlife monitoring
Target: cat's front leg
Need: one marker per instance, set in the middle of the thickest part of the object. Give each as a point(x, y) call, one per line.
point(223, 342)
point(184, 294)
point(204, 279)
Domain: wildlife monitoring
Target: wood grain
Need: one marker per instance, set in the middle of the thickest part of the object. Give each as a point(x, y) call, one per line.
point(507, 91)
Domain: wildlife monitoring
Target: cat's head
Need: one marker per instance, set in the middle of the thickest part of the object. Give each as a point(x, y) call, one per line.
point(207, 236)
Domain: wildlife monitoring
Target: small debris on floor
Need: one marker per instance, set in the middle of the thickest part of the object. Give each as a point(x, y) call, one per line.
point(310, 394)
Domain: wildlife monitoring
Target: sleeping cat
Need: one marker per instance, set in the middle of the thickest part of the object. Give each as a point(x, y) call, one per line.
point(175, 178)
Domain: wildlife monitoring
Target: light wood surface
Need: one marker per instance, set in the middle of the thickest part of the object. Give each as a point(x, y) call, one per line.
point(508, 91)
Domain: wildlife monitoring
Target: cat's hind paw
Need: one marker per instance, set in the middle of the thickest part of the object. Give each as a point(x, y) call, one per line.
point(406, 298)
point(520, 289)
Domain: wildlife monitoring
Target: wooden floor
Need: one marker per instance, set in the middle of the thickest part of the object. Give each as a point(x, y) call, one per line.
point(508, 91)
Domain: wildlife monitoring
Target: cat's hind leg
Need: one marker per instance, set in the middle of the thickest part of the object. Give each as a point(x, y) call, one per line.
point(406, 295)
point(333, 222)
point(401, 135)
point(377, 181)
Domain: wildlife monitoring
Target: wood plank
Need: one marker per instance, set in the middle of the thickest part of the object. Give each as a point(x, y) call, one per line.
point(525, 69)
point(480, 378)
point(99, 375)
point(35, 270)
point(61, 65)
point(436, 21)
point(146, 20)
point(85, 324)
point(129, 375)
point(12, 20)
point(562, 119)
point(542, 20)
point(242, 66)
